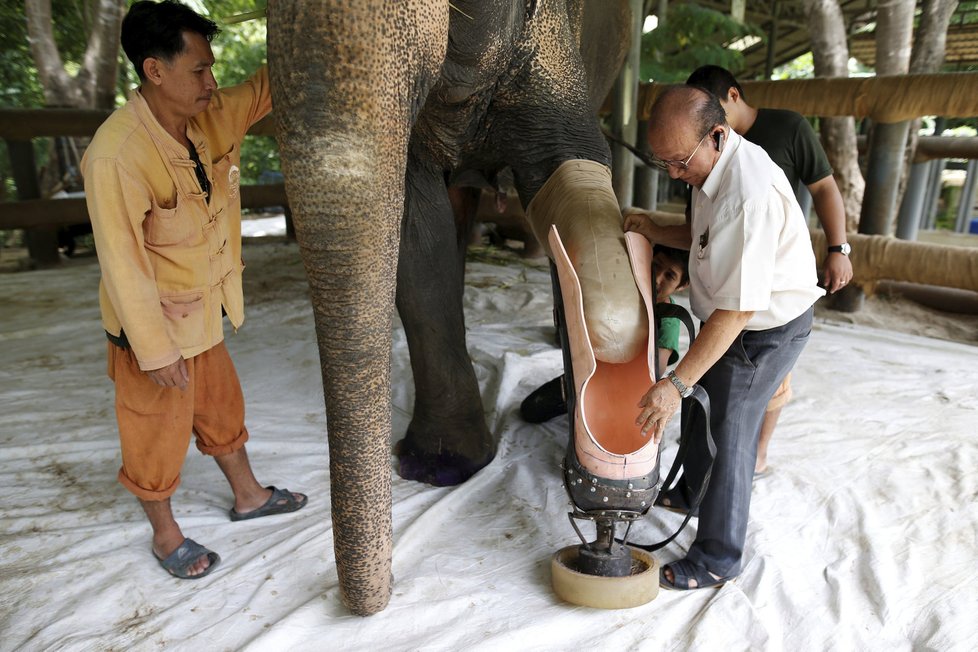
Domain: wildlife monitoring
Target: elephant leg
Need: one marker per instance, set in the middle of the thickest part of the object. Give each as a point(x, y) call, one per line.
point(347, 89)
point(447, 440)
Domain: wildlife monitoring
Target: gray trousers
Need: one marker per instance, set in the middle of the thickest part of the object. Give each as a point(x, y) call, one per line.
point(740, 385)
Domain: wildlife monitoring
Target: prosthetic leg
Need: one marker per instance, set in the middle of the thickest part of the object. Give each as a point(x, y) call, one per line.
point(604, 303)
point(611, 471)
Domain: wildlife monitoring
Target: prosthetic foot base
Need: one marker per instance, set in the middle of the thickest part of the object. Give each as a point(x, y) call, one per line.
point(572, 585)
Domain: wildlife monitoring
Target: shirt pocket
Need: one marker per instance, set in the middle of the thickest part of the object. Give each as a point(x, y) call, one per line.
point(168, 226)
point(704, 268)
point(227, 174)
point(184, 312)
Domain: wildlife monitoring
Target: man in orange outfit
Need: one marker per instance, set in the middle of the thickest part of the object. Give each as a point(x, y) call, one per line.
point(162, 186)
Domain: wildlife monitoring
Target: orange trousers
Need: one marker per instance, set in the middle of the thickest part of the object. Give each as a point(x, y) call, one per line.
point(155, 423)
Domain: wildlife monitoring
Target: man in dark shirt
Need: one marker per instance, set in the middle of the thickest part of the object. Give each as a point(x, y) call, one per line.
point(792, 144)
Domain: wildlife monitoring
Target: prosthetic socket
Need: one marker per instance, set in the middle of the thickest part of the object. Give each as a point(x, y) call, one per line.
point(608, 336)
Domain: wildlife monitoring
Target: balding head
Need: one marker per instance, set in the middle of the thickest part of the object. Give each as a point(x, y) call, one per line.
point(682, 108)
point(680, 119)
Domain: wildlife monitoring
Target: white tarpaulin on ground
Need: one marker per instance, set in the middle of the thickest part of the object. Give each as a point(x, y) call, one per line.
point(863, 537)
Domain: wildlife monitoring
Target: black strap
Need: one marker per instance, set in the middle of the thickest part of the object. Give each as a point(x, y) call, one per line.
point(119, 340)
point(698, 399)
point(205, 184)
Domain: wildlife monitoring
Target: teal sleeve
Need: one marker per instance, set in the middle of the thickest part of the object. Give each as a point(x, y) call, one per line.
point(669, 337)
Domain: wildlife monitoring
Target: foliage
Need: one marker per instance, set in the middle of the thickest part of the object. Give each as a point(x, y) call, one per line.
point(692, 36)
point(239, 51)
point(19, 86)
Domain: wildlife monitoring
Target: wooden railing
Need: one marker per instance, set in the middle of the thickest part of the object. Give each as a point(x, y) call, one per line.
point(41, 218)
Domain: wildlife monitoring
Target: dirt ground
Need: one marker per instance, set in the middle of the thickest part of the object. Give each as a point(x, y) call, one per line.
point(898, 314)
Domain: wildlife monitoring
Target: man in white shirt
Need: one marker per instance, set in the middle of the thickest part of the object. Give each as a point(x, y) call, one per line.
point(752, 284)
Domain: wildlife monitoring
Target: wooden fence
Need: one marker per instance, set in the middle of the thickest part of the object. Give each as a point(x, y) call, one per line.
point(41, 218)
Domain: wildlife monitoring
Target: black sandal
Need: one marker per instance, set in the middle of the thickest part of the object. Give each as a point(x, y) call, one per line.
point(683, 571)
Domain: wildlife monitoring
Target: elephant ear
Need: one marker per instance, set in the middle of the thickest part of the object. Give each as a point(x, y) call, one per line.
point(603, 34)
point(579, 201)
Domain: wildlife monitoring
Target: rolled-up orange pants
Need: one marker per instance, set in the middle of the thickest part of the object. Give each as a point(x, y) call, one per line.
point(155, 423)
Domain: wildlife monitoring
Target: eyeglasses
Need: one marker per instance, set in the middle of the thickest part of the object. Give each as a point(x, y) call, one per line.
point(680, 165)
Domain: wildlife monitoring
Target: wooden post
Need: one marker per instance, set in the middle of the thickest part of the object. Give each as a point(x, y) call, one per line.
point(646, 178)
point(772, 42)
point(42, 241)
point(967, 202)
point(625, 112)
point(883, 171)
point(911, 208)
point(933, 192)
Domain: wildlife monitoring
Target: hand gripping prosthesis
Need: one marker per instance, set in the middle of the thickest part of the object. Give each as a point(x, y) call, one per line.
point(611, 470)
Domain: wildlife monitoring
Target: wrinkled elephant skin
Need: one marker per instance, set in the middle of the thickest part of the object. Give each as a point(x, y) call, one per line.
point(376, 108)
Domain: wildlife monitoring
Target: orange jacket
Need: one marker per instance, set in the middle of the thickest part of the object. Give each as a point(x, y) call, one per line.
point(169, 259)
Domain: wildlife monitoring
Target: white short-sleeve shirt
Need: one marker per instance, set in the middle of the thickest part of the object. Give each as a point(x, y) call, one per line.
point(751, 250)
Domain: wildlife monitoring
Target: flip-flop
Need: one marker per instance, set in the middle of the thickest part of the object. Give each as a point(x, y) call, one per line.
point(683, 571)
point(758, 475)
point(282, 501)
point(179, 562)
point(674, 500)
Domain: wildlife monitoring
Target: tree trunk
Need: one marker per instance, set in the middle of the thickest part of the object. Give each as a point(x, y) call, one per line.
point(831, 58)
point(929, 46)
point(94, 85)
point(894, 29)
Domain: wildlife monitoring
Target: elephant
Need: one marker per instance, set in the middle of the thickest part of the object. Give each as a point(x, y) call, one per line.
point(378, 103)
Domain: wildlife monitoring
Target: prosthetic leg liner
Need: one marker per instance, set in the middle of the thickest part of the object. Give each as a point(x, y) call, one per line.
point(579, 201)
point(607, 442)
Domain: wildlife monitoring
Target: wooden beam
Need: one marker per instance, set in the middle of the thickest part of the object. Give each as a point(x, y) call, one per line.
point(25, 124)
point(63, 212)
point(883, 99)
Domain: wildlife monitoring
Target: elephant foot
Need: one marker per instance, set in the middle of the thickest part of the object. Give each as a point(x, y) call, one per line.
point(443, 469)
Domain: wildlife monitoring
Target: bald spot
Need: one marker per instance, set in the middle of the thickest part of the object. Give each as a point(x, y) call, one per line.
point(672, 121)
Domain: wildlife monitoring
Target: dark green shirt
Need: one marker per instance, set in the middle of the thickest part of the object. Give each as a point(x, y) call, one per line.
point(791, 143)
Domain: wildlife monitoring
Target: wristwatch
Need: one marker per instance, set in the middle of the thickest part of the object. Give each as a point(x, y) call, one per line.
point(843, 249)
point(684, 391)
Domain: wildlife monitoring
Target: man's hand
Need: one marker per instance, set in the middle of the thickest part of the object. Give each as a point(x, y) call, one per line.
point(172, 375)
point(836, 272)
point(658, 405)
point(638, 221)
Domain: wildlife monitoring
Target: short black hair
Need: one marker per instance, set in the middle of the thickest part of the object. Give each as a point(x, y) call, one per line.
point(155, 29)
point(714, 80)
point(680, 256)
point(708, 112)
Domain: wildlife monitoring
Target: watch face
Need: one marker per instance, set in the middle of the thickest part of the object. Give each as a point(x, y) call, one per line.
point(845, 248)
